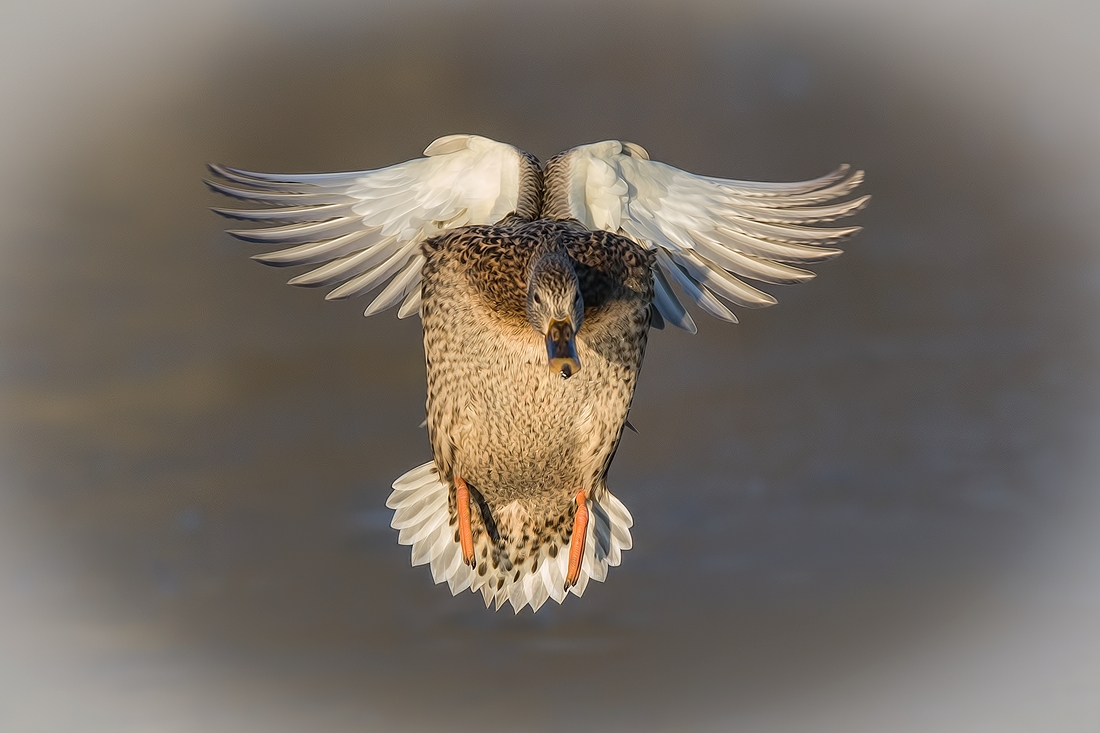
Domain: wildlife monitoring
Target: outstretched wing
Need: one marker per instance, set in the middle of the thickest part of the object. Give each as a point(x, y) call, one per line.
point(708, 234)
point(364, 228)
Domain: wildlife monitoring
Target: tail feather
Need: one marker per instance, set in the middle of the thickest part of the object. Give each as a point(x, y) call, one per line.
point(420, 501)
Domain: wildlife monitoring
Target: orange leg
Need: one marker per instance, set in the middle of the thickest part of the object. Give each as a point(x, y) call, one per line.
point(465, 535)
point(576, 542)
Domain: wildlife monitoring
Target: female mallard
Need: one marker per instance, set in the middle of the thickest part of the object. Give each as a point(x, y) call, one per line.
point(537, 288)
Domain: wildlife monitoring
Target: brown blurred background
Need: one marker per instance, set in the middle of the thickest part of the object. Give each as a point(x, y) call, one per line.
point(868, 508)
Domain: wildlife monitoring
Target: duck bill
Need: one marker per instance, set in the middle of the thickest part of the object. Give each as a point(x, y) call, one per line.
point(561, 349)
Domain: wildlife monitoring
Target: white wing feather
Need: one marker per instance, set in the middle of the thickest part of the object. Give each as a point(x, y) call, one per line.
point(707, 233)
point(365, 227)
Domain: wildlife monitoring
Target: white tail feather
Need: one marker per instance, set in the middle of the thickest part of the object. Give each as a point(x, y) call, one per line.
point(420, 501)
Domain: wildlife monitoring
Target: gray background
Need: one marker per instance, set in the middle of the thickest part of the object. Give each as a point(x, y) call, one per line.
point(868, 508)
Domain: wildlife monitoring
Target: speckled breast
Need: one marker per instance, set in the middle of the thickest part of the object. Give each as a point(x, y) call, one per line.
point(497, 415)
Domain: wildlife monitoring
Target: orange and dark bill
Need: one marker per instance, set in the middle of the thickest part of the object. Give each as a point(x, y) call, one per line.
point(562, 349)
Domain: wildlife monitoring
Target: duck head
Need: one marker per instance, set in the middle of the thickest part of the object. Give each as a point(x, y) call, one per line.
point(555, 309)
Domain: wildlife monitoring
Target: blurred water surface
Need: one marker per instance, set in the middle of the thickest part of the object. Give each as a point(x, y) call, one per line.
point(199, 456)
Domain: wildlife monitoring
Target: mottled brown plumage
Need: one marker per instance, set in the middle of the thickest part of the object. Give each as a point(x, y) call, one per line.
point(525, 438)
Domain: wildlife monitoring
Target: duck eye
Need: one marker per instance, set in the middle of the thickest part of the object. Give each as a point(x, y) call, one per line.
point(538, 300)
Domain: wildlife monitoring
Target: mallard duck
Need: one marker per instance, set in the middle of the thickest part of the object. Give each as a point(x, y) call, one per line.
point(537, 286)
